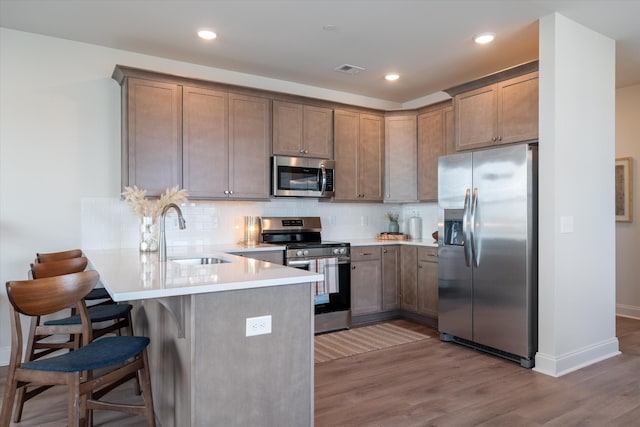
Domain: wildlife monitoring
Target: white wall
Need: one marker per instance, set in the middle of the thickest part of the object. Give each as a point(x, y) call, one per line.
point(577, 150)
point(628, 234)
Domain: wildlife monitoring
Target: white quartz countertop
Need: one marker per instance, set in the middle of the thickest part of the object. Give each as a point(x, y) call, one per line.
point(375, 242)
point(129, 274)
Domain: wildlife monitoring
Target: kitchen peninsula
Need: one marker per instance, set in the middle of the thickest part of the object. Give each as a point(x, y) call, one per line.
point(204, 369)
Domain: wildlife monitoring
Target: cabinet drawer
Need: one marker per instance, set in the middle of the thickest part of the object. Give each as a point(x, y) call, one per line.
point(361, 253)
point(428, 254)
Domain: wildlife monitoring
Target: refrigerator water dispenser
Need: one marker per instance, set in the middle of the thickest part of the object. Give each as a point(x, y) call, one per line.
point(453, 234)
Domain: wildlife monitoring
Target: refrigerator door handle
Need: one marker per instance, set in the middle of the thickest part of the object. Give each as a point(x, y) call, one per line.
point(466, 229)
point(474, 244)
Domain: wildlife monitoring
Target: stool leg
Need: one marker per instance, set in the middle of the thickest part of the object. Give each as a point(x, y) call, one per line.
point(9, 396)
point(28, 356)
point(145, 377)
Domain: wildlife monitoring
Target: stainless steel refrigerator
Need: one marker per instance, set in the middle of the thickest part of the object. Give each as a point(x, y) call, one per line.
point(487, 249)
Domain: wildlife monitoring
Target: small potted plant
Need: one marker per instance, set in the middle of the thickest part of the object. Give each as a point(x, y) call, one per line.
point(392, 217)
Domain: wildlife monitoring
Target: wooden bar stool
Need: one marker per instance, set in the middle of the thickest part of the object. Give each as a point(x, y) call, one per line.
point(95, 294)
point(118, 358)
point(107, 318)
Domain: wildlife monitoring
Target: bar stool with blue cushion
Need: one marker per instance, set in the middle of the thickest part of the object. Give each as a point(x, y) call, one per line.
point(97, 293)
point(118, 358)
point(109, 318)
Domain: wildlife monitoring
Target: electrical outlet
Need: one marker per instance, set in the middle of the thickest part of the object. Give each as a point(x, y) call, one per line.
point(258, 325)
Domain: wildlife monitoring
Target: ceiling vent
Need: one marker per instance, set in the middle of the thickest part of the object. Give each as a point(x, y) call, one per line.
point(349, 69)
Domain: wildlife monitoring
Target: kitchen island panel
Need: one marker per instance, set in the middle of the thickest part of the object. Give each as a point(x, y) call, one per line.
point(216, 375)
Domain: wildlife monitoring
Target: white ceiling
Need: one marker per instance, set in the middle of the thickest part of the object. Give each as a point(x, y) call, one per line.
point(427, 42)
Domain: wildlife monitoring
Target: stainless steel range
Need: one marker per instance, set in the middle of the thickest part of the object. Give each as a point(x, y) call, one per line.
point(306, 250)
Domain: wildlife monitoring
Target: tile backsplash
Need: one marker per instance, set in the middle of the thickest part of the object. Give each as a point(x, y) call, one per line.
point(107, 223)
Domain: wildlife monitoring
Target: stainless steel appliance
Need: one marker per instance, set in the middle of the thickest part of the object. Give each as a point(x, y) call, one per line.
point(302, 177)
point(487, 271)
point(306, 250)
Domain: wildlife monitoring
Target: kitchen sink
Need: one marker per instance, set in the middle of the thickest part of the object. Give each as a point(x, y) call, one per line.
point(199, 260)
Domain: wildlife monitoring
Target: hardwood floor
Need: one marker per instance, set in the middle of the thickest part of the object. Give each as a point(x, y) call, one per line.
point(431, 383)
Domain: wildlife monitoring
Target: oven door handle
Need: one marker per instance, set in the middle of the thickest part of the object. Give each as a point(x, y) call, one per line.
point(305, 262)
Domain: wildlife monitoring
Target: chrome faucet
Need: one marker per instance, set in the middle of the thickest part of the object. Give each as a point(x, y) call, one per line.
point(163, 239)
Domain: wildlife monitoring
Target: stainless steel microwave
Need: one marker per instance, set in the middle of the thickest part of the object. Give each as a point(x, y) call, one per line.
point(302, 177)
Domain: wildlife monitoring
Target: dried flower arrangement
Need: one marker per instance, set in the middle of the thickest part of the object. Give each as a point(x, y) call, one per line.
point(144, 207)
point(392, 216)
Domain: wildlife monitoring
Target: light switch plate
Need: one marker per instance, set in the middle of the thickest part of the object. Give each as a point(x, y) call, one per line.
point(566, 224)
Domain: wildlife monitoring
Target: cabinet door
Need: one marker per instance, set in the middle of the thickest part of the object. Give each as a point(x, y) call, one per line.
point(518, 109)
point(431, 145)
point(154, 148)
point(249, 142)
point(400, 159)
point(476, 119)
point(205, 134)
point(317, 138)
point(409, 278)
point(287, 128)
point(370, 157)
point(366, 280)
point(346, 135)
point(428, 281)
point(390, 278)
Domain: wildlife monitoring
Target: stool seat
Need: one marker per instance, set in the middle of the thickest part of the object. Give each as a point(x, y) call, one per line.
point(107, 351)
point(97, 293)
point(97, 313)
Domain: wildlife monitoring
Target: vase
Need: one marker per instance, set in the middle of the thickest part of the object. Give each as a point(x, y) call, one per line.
point(394, 227)
point(148, 234)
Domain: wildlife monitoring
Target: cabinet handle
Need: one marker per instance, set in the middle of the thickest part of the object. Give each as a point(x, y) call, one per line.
point(499, 137)
point(306, 151)
point(384, 251)
point(231, 192)
point(301, 151)
point(493, 139)
point(419, 265)
point(353, 267)
point(226, 191)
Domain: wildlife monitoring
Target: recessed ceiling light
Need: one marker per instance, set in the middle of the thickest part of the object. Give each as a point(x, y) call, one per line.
point(392, 77)
point(484, 38)
point(329, 27)
point(207, 34)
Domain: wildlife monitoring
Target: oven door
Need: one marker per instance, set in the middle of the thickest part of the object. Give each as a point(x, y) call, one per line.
point(339, 301)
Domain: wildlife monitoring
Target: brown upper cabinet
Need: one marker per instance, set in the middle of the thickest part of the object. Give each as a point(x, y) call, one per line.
point(359, 156)
point(302, 130)
point(500, 113)
point(435, 139)
point(214, 143)
point(151, 143)
point(401, 164)
point(225, 145)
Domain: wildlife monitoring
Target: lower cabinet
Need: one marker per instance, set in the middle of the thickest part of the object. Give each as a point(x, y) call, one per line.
point(392, 280)
point(366, 280)
point(419, 281)
point(428, 281)
point(409, 279)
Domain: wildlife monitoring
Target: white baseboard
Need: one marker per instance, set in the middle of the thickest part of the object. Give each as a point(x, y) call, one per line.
point(557, 366)
point(628, 311)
